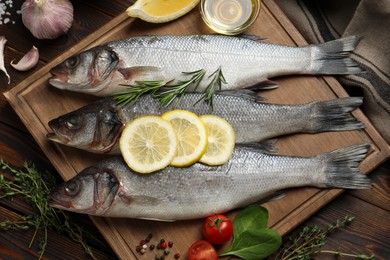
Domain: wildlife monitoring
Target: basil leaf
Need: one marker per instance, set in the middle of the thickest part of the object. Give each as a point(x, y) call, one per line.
point(253, 216)
point(251, 238)
point(255, 244)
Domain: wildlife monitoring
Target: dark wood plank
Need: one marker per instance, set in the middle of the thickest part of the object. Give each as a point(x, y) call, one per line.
point(111, 8)
point(379, 194)
point(15, 244)
point(86, 20)
point(368, 234)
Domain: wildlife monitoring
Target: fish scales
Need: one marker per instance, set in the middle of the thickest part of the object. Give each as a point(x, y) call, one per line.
point(198, 191)
point(97, 126)
point(244, 62)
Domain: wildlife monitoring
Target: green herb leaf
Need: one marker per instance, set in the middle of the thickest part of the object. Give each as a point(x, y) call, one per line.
point(167, 92)
point(170, 92)
point(255, 244)
point(133, 92)
point(252, 216)
point(251, 238)
point(214, 86)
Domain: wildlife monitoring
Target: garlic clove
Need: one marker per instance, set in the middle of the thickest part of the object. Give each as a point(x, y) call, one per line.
point(47, 19)
point(28, 61)
point(3, 40)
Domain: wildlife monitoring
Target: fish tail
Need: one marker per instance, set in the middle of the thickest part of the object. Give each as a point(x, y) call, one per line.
point(333, 57)
point(334, 115)
point(342, 168)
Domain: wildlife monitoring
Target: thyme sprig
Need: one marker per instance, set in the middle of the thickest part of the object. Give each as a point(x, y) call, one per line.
point(167, 92)
point(35, 188)
point(305, 243)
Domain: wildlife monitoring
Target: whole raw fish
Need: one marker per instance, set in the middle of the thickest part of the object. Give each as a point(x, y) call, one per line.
point(244, 62)
point(97, 127)
point(111, 189)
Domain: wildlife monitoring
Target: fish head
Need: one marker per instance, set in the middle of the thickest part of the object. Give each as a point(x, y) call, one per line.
point(92, 191)
point(86, 72)
point(95, 128)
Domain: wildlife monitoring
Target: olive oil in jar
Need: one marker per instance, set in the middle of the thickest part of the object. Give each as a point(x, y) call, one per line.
point(229, 16)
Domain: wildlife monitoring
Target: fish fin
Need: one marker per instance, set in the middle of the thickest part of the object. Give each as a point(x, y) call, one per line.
point(267, 146)
point(139, 199)
point(272, 197)
point(242, 93)
point(334, 115)
point(342, 170)
point(158, 219)
point(333, 57)
point(264, 85)
point(252, 37)
point(138, 71)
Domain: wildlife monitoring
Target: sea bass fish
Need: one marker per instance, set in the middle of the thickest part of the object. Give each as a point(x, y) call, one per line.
point(97, 126)
point(244, 62)
point(111, 189)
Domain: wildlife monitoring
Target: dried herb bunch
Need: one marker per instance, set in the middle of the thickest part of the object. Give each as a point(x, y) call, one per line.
point(35, 187)
point(307, 242)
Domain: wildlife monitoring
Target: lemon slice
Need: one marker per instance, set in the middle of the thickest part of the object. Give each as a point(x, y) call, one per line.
point(221, 140)
point(148, 144)
point(160, 11)
point(191, 134)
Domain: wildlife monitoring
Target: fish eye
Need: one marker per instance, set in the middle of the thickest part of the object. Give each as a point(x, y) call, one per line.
point(73, 122)
point(72, 188)
point(72, 62)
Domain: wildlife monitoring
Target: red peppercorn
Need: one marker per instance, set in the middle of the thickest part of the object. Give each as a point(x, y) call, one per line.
point(164, 245)
point(138, 248)
point(177, 256)
point(170, 244)
point(142, 242)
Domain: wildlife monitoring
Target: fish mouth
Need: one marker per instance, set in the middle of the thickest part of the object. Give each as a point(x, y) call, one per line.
point(58, 83)
point(55, 138)
point(58, 80)
point(56, 203)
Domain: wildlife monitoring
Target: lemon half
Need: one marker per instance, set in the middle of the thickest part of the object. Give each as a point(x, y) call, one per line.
point(160, 11)
point(148, 144)
point(191, 134)
point(221, 140)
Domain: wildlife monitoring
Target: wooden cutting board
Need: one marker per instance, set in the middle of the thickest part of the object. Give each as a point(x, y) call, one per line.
point(37, 103)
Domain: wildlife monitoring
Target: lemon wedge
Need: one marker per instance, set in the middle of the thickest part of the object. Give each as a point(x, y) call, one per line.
point(221, 140)
point(160, 11)
point(148, 144)
point(191, 134)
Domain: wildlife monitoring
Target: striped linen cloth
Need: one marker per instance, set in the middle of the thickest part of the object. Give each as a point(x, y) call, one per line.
point(325, 20)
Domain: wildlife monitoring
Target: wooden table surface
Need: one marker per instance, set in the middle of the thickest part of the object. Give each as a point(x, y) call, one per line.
point(369, 233)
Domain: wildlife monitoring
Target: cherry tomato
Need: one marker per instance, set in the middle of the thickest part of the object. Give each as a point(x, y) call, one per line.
point(202, 250)
point(217, 229)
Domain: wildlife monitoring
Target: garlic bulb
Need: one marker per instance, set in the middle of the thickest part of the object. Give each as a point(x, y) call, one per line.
point(29, 60)
point(47, 19)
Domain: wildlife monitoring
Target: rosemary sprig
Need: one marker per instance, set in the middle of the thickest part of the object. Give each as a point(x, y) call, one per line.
point(35, 188)
point(133, 92)
point(305, 243)
point(214, 86)
point(169, 93)
point(166, 93)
